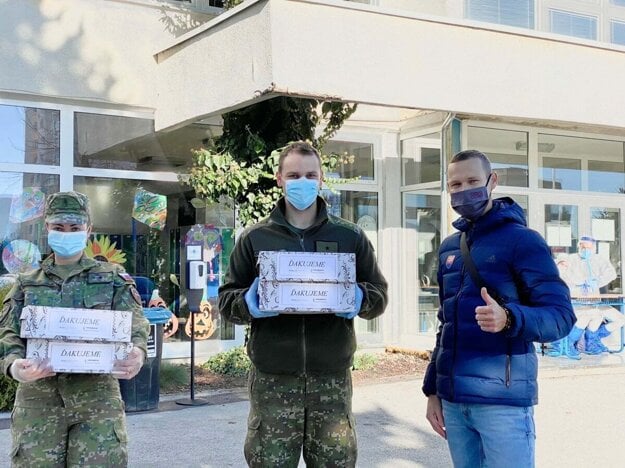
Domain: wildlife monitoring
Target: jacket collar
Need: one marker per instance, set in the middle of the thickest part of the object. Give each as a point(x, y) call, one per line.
point(48, 265)
point(278, 214)
point(504, 210)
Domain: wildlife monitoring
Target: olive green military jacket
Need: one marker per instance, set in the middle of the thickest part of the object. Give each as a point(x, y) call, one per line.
point(91, 285)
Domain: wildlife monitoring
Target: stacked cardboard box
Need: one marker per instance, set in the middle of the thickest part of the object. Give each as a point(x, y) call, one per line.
point(307, 282)
point(76, 340)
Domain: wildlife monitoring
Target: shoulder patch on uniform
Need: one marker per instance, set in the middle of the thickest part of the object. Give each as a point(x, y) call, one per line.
point(135, 295)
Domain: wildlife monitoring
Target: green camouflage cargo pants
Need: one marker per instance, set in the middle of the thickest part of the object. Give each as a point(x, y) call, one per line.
point(289, 413)
point(87, 428)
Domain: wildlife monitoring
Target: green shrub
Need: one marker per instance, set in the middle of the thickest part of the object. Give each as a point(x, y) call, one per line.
point(233, 362)
point(7, 385)
point(173, 376)
point(364, 361)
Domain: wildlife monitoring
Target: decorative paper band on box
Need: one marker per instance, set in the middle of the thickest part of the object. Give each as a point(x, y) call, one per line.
point(307, 282)
point(86, 357)
point(309, 267)
point(297, 298)
point(64, 323)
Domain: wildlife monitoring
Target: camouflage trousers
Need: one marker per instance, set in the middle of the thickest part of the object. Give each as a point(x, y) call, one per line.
point(290, 413)
point(52, 428)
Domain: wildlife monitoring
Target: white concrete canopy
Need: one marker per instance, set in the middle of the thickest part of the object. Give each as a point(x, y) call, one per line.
point(356, 53)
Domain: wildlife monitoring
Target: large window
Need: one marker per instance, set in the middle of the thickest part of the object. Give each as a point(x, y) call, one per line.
point(617, 32)
point(129, 143)
point(510, 12)
point(29, 135)
point(573, 24)
point(354, 159)
point(507, 151)
point(360, 208)
point(23, 239)
point(421, 159)
point(575, 163)
point(143, 225)
point(422, 224)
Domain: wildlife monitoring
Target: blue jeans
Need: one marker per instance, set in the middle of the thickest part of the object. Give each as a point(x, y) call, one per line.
point(490, 436)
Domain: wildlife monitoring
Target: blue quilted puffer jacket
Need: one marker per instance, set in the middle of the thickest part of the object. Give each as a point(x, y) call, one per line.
point(472, 366)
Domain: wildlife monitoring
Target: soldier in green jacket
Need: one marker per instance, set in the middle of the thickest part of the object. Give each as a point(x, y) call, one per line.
point(300, 383)
point(69, 419)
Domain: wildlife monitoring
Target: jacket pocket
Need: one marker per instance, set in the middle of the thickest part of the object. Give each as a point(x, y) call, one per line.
point(98, 296)
point(41, 294)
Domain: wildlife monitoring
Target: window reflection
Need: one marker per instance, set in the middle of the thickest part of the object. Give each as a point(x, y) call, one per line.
point(118, 142)
point(421, 159)
point(360, 208)
point(357, 159)
point(29, 135)
point(422, 221)
point(564, 160)
point(148, 240)
point(23, 239)
point(507, 151)
point(561, 228)
point(606, 229)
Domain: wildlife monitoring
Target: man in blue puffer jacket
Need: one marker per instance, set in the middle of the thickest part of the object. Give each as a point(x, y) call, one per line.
point(481, 383)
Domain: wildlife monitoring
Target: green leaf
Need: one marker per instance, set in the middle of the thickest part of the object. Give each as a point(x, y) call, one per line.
point(198, 203)
point(174, 280)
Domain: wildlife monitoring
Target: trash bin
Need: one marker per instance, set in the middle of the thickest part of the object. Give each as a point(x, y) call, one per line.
point(141, 393)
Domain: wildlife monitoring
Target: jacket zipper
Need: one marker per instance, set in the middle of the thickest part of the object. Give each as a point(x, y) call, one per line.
point(453, 360)
point(509, 365)
point(301, 243)
point(304, 343)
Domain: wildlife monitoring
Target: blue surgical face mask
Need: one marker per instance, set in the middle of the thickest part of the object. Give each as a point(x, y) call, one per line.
point(585, 254)
point(471, 203)
point(67, 244)
point(302, 192)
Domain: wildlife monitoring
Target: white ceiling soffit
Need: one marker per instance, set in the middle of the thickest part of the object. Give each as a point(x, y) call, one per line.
point(342, 50)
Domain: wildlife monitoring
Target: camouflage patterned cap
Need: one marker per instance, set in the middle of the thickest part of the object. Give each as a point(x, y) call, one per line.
point(68, 207)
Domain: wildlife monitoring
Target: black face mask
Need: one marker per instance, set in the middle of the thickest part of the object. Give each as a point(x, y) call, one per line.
point(471, 203)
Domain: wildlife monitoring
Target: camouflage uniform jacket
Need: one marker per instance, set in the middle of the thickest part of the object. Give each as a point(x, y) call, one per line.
point(293, 343)
point(92, 285)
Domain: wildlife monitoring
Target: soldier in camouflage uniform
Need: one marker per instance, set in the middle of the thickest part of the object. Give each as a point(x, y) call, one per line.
point(69, 419)
point(300, 383)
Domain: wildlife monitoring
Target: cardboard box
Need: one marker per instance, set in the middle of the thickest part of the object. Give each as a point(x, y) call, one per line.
point(308, 267)
point(85, 357)
point(65, 323)
point(299, 297)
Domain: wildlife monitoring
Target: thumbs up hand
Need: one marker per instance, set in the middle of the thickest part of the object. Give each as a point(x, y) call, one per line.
point(491, 318)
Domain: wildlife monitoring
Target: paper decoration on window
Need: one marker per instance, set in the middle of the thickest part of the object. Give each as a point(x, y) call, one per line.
point(27, 205)
point(603, 229)
point(150, 208)
point(20, 256)
point(102, 249)
point(558, 235)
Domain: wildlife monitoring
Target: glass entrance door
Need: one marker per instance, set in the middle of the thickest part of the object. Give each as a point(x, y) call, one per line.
point(566, 222)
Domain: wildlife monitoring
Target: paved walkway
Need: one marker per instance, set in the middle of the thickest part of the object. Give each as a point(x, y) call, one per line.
point(580, 422)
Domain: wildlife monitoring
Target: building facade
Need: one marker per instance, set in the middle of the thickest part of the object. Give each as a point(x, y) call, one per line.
point(109, 97)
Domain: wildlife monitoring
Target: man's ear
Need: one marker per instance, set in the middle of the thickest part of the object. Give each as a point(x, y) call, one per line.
point(493, 180)
point(279, 180)
point(89, 229)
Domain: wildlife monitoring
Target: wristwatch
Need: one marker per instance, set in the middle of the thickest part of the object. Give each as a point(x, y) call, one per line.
point(509, 319)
